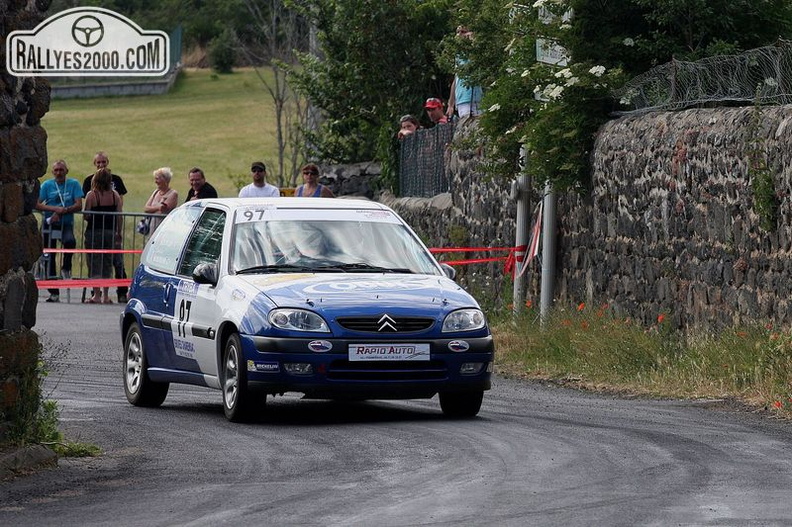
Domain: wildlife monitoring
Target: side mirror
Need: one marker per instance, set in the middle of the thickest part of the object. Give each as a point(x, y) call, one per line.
point(449, 271)
point(205, 273)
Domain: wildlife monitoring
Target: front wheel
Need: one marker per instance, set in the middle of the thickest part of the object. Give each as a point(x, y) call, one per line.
point(461, 404)
point(238, 401)
point(139, 388)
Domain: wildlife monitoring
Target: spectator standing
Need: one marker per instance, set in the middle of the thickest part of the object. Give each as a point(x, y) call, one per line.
point(434, 109)
point(408, 124)
point(464, 99)
point(311, 188)
point(59, 198)
point(102, 162)
point(163, 200)
point(102, 231)
point(199, 188)
point(259, 188)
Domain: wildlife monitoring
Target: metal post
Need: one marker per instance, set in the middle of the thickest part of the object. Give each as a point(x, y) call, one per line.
point(519, 192)
point(548, 251)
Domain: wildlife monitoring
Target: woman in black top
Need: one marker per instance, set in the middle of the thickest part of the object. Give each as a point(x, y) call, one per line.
point(101, 230)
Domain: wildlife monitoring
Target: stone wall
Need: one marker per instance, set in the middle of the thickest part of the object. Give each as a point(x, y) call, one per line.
point(477, 212)
point(23, 159)
point(670, 227)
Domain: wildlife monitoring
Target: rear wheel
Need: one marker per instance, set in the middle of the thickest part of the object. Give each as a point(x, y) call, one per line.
point(238, 401)
point(461, 404)
point(139, 389)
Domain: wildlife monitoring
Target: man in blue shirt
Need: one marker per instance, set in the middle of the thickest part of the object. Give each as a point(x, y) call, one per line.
point(59, 198)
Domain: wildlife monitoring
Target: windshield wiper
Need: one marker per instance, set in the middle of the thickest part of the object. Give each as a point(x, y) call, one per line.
point(364, 267)
point(279, 268)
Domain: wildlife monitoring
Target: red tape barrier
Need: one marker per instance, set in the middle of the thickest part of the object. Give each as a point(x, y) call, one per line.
point(78, 283)
point(115, 282)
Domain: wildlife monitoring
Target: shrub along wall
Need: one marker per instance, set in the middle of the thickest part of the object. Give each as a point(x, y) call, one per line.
point(671, 226)
point(23, 159)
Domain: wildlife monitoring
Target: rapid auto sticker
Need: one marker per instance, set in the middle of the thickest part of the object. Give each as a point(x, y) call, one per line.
point(388, 352)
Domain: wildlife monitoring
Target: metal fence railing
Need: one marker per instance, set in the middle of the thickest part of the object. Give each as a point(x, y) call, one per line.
point(90, 253)
point(422, 161)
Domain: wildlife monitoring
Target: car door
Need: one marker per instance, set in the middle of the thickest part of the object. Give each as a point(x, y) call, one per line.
point(155, 280)
point(195, 310)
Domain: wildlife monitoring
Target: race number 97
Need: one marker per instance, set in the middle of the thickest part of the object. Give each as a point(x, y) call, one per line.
point(256, 214)
point(184, 317)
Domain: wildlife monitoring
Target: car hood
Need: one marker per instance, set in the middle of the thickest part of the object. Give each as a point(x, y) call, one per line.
point(360, 292)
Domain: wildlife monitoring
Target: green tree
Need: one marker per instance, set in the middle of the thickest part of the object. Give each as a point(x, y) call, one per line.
point(555, 110)
point(377, 62)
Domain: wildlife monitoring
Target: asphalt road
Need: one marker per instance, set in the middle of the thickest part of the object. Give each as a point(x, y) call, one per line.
point(536, 455)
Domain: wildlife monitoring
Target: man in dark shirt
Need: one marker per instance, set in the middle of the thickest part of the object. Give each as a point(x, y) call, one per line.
point(101, 161)
point(199, 188)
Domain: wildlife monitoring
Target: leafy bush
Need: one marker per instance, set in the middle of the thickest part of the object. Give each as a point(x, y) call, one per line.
point(222, 52)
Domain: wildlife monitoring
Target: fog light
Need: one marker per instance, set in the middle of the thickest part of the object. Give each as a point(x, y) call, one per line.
point(471, 368)
point(298, 368)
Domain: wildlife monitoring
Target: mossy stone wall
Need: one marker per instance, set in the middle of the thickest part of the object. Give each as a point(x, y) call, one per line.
point(23, 160)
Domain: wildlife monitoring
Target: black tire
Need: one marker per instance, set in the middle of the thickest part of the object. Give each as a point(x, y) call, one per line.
point(238, 401)
point(461, 404)
point(139, 388)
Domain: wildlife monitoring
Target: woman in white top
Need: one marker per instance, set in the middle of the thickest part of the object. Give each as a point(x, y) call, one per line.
point(163, 200)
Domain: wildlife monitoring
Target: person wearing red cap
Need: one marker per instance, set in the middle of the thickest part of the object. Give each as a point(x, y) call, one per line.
point(434, 109)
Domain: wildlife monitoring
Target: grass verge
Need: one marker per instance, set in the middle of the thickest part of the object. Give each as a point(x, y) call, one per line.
point(219, 122)
point(596, 349)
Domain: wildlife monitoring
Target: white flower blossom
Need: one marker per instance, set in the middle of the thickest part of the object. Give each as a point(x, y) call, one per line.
point(525, 73)
point(553, 91)
point(565, 73)
point(771, 81)
point(494, 108)
point(597, 71)
point(510, 71)
point(565, 26)
point(625, 100)
point(537, 89)
point(628, 42)
point(572, 81)
point(538, 4)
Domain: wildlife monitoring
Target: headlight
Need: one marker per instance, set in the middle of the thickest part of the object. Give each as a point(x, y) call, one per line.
point(464, 320)
point(297, 320)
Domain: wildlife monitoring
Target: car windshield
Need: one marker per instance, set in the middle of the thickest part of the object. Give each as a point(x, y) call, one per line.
point(316, 245)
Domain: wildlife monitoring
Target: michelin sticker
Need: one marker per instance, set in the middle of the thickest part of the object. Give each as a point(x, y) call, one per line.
point(264, 367)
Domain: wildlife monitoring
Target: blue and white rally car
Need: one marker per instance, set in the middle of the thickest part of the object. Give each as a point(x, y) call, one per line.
point(333, 298)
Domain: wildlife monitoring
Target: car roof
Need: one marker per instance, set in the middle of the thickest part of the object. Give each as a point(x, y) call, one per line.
point(297, 203)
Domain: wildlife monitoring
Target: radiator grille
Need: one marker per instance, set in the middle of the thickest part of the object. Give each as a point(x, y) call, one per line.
point(386, 324)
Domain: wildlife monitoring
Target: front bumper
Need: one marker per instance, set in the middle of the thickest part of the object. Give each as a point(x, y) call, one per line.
point(332, 375)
